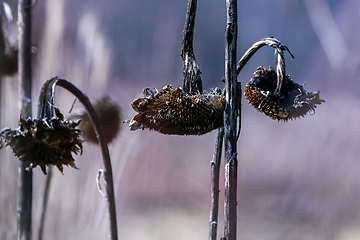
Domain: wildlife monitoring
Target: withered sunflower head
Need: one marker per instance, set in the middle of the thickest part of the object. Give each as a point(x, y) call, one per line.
point(44, 142)
point(172, 111)
point(9, 61)
point(290, 102)
point(109, 115)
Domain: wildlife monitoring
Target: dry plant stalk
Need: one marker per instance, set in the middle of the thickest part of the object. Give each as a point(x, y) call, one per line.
point(189, 111)
point(230, 123)
point(24, 199)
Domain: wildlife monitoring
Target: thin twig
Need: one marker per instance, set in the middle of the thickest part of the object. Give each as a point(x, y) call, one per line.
point(24, 203)
point(215, 173)
point(231, 112)
point(191, 71)
point(44, 203)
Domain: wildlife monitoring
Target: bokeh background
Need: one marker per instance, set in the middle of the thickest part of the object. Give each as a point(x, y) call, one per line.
point(297, 180)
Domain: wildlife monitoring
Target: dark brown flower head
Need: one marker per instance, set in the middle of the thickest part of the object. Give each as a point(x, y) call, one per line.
point(109, 115)
point(44, 142)
point(172, 111)
point(9, 61)
point(290, 102)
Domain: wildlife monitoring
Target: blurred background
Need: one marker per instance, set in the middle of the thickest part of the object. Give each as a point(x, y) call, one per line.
point(297, 180)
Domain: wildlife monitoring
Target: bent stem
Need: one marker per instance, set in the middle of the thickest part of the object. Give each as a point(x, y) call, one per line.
point(270, 41)
point(279, 55)
point(45, 108)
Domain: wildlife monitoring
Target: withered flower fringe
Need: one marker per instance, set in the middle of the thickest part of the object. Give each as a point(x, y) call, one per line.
point(291, 102)
point(44, 142)
point(172, 111)
point(109, 116)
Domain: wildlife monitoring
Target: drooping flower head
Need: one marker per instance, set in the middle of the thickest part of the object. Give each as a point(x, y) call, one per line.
point(172, 111)
point(44, 142)
point(291, 102)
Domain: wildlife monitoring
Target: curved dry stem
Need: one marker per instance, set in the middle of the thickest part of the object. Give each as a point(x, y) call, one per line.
point(270, 41)
point(46, 109)
point(104, 150)
point(280, 69)
point(279, 54)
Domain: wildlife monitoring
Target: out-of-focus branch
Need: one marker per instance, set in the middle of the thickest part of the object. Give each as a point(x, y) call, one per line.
point(231, 113)
point(24, 201)
point(8, 52)
point(191, 71)
point(45, 202)
point(328, 32)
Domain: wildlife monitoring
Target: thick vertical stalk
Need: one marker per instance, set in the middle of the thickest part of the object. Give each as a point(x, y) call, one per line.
point(230, 208)
point(215, 172)
point(24, 201)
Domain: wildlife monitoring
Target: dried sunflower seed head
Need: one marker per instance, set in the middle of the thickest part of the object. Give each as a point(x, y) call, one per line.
point(44, 142)
point(172, 111)
point(9, 61)
point(290, 102)
point(109, 115)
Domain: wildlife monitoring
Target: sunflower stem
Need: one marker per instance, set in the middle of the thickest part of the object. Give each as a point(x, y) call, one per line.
point(191, 70)
point(215, 174)
point(24, 202)
point(269, 41)
point(44, 203)
point(104, 150)
point(230, 123)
